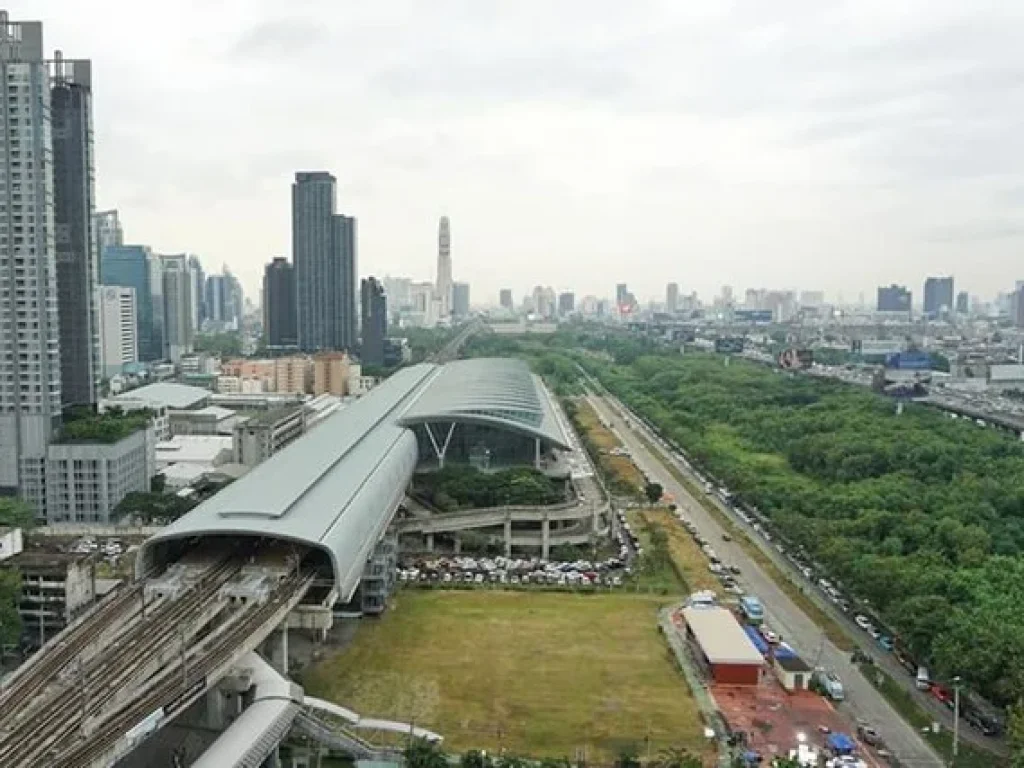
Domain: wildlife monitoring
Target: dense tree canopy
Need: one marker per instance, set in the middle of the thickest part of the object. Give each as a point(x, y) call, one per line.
point(227, 344)
point(151, 508)
point(921, 515)
point(461, 487)
point(10, 619)
point(15, 513)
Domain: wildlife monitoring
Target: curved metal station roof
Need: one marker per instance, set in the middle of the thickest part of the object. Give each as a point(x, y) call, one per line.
point(494, 391)
point(337, 487)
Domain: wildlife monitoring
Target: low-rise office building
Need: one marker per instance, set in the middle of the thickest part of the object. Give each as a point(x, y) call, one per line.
point(331, 372)
point(55, 588)
point(86, 477)
point(261, 436)
point(201, 453)
point(211, 420)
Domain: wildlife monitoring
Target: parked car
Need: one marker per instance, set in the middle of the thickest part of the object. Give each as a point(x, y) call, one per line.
point(923, 681)
point(862, 621)
point(868, 735)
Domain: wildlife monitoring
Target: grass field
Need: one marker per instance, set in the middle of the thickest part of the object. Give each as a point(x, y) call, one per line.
point(620, 468)
point(538, 674)
point(691, 563)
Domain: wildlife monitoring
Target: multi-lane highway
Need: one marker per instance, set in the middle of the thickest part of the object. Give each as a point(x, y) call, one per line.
point(863, 702)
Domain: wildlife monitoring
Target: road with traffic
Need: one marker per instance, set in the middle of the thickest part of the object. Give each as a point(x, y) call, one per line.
point(863, 701)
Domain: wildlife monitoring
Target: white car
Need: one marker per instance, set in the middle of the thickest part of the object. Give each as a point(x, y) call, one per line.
point(862, 621)
point(769, 635)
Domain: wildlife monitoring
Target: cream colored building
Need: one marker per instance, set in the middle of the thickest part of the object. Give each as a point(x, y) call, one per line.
point(331, 372)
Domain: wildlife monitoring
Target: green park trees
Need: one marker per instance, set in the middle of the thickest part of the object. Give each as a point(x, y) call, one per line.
point(919, 514)
point(461, 487)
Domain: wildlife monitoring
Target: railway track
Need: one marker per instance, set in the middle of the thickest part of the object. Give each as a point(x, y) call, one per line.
point(51, 718)
point(172, 693)
point(58, 654)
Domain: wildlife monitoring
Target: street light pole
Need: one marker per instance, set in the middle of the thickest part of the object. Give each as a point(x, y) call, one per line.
point(956, 718)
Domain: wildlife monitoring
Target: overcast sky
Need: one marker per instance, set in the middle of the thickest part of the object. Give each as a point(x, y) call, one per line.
point(573, 143)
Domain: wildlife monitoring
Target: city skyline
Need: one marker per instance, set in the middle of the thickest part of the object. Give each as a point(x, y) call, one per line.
point(842, 164)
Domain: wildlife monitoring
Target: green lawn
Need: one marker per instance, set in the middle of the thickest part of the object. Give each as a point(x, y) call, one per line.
point(539, 674)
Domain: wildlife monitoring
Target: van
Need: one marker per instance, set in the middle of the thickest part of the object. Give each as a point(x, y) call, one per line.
point(830, 683)
point(923, 681)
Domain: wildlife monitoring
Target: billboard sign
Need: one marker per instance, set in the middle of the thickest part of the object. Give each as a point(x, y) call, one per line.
point(729, 346)
point(796, 359)
point(752, 315)
point(877, 347)
point(909, 361)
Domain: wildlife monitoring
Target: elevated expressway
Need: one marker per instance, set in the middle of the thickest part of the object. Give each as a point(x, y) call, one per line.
point(280, 546)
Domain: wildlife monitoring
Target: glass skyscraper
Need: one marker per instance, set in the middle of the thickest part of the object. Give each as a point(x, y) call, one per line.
point(324, 254)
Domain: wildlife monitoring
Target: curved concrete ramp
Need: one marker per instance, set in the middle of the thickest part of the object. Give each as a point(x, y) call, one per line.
point(356, 721)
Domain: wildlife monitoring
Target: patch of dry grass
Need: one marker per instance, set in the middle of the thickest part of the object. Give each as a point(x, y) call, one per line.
point(618, 468)
point(689, 560)
point(539, 674)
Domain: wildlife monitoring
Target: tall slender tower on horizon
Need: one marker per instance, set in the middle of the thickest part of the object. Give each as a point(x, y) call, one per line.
point(444, 266)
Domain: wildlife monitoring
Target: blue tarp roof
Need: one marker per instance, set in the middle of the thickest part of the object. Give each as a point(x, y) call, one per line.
point(783, 651)
point(841, 743)
point(755, 637)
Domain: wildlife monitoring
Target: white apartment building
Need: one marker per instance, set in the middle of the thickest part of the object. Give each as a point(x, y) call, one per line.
point(86, 480)
point(119, 343)
point(30, 375)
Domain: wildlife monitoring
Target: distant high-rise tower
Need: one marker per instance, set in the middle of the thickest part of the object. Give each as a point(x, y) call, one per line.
point(197, 292)
point(672, 297)
point(177, 296)
point(505, 298)
point(324, 253)
point(132, 266)
point(216, 299)
point(444, 266)
point(894, 298)
point(279, 303)
point(621, 294)
point(74, 209)
point(119, 342)
point(938, 295)
point(963, 303)
point(566, 303)
point(460, 300)
point(30, 388)
point(108, 229)
point(375, 321)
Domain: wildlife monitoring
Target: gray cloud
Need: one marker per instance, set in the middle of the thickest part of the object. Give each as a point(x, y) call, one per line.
point(274, 37)
point(575, 143)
